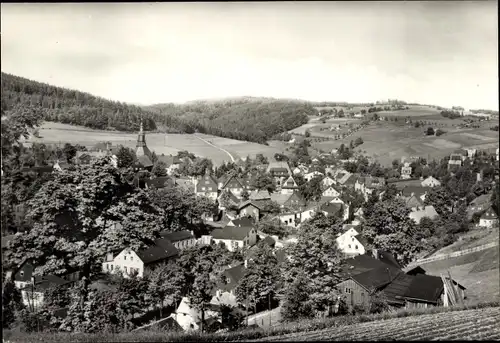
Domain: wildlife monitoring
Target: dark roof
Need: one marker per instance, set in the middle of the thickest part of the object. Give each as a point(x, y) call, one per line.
point(161, 250)
point(397, 288)
point(331, 208)
point(160, 182)
point(145, 161)
point(248, 203)
point(489, 214)
point(48, 281)
point(361, 239)
point(416, 270)
point(362, 263)
point(388, 258)
point(413, 201)
point(237, 233)
point(245, 221)
point(234, 274)
point(169, 159)
point(177, 236)
point(375, 278)
point(425, 288)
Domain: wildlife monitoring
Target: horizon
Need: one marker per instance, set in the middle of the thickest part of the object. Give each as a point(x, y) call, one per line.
point(437, 53)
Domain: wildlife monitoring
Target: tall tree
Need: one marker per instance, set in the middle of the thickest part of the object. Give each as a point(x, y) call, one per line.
point(126, 157)
point(69, 151)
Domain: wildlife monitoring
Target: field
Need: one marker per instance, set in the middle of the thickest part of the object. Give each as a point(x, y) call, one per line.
point(479, 324)
point(388, 140)
point(57, 133)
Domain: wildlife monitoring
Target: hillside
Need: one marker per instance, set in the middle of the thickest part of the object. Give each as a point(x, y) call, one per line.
point(246, 118)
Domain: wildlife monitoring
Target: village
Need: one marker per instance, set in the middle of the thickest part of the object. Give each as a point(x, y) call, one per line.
point(240, 209)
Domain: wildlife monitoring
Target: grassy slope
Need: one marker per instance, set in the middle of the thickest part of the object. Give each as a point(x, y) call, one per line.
point(386, 141)
point(160, 143)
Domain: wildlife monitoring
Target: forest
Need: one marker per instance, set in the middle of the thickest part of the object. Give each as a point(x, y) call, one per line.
point(250, 119)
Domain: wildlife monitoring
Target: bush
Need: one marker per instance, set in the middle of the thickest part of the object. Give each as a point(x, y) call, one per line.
point(439, 132)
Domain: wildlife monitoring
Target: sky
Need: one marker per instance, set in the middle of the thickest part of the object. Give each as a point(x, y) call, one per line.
point(440, 53)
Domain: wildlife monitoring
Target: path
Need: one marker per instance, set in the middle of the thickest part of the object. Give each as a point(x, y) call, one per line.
point(222, 149)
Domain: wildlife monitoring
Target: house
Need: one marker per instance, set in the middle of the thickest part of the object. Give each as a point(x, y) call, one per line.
point(309, 176)
point(185, 183)
point(289, 186)
point(414, 203)
point(249, 209)
point(330, 191)
point(332, 209)
point(328, 181)
point(234, 185)
point(488, 219)
point(349, 180)
point(23, 275)
point(427, 211)
point(431, 182)
point(406, 171)
point(258, 196)
point(470, 152)
point(301, 170)
point(180, 239)
point(367, 185)
point(172, 163)
point(455, 161)
point(239, 222)
point(189, 318)
point(280, 171)
point(232, 200)
point(417, 191)
point(351, 242)
point(141, 261)
point(234, 238)
point(206, 186)
point(479, 204)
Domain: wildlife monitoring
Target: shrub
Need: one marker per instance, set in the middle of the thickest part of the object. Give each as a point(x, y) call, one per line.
point(440, 132)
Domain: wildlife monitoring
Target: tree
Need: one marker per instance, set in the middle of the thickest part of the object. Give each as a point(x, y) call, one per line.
point(358, 141)
point(73, 217)
point(159, 169)
point(263, 182)
point(388, 227)
point(495, 197)
point(126, 157)
point(69, 151)
point(261, 277)
point(296, 299)
point(11, 303)
point(440, 199)
point(166, 280)
point(244, 195)
point(307, 133)
point(261, 159)
point(430, 131)
point(316, 256)
point(312, 190)
point(390, 192)
point(280, 157)
point(272, 227)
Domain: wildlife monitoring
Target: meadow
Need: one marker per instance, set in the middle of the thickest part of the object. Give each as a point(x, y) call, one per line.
point(389, 140)
point(58, 133)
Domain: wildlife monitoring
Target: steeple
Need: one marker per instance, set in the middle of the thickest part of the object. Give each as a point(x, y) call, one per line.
point(141, 146)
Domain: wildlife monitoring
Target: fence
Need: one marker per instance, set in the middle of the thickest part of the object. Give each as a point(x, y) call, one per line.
point(453, 254)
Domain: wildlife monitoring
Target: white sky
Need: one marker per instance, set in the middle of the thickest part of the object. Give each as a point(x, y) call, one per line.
point(443, 53)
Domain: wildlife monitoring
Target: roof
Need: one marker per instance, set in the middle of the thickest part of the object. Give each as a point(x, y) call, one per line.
point(280, 198)
point(427, 211)
point(233, 198)
point(160, 182)
point(361, 239)
point(289, 183)
point(244, 221)
point(269, 241)
point(362, 263)
point(350, 180)
point(374, 182)
point(161, 250)
point(260, 195)
point(375, 278)
point(185, 183)
point(235, 233)
point(177, 236)
point(248, 203)
point(278, 167)
point(415, 190)
point(145, 161)
point(416, 270)
point(397, 288)
point(413, 201)
point(425, 287)
point(489, 214)
point(235, 274)
point(331, 208)
point(481, 200)
point(169, 159)
point(48, 281)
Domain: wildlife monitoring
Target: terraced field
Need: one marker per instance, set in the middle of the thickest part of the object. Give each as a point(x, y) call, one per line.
point(479, 324)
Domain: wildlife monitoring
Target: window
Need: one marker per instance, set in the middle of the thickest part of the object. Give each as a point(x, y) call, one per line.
point(126, 270)
point(112, 267)
point(209, 188)
point(203, 188)
point(131, 258)
point(356, 247)
point(125, 257)
point(348, 290)
point(21, 273)
point(349, 246)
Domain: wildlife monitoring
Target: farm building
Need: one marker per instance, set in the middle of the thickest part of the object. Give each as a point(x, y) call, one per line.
point(234, 238)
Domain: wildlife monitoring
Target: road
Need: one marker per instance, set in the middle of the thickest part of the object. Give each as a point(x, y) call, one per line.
point(215, 146)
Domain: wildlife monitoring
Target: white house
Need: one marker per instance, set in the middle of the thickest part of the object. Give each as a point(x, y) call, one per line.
point(290, 219)
point(309, 176)
point(289, 186)
point(330, 192)
point(129, 261)
point(189, 318)
point(351, 242)
point(328, 181)
point(406, 171)
point(431, 182)
point(234, 237)
point(488, 219)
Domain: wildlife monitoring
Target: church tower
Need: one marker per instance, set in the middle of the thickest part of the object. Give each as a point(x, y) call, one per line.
point(142, 151)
